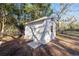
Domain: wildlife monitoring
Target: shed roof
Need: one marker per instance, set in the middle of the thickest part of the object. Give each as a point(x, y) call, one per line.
point(37, 20)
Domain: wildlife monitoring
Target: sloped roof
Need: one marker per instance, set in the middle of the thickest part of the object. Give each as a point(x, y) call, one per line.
point(37, 20)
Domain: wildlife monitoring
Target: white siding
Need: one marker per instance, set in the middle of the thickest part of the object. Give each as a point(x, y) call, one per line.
point(42, 31)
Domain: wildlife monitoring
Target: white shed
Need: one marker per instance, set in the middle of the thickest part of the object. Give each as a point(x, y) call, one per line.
point(41, 31)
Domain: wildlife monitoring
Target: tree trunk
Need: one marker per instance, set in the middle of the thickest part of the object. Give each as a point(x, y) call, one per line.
point(2, 28)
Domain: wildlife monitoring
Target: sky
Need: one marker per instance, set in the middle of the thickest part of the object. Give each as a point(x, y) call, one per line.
point(73, 10)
